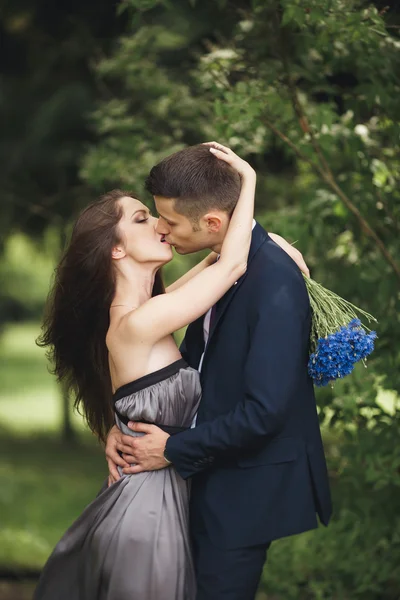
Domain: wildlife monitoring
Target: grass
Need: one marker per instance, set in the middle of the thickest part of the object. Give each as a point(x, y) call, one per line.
point(16, 591)
point(44, 484)
point(43, 487)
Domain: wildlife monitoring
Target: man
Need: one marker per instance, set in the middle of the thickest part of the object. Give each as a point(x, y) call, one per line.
point(255, 454)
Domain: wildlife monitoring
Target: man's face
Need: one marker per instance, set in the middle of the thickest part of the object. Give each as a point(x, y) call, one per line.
point(178, 230)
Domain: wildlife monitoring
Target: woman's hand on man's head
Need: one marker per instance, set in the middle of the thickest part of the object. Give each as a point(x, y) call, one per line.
point(227, 155)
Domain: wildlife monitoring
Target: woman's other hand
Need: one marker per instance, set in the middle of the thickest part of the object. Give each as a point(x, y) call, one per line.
point(294, 254)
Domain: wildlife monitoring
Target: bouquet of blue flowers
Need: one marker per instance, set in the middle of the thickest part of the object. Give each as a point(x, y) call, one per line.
point(338, 339)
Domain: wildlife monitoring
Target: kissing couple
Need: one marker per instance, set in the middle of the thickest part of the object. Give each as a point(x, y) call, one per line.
point(214, 449)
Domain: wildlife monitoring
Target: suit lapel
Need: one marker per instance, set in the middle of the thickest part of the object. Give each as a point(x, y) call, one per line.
point(259, 236)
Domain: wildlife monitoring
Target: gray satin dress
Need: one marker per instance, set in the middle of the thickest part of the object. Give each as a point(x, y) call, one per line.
point(132, 542)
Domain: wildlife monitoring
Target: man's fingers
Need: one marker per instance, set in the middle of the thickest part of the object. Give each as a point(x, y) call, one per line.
point(129, 459)
point(113, 471)
point(134, 469)
point(141, 427)
point(116, 459)
point(127, 440)
point(125, 449)
point(111, 480)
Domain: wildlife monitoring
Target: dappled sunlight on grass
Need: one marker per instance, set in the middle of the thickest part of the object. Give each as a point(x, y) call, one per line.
point(23, 366)
point(29, 396)
point(389, 401)
point(34, 411)
point(44, 484)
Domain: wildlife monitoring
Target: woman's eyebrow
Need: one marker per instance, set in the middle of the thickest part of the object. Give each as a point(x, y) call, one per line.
point(140, 210)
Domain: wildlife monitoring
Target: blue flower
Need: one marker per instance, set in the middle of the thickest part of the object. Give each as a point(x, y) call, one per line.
point(336, 355)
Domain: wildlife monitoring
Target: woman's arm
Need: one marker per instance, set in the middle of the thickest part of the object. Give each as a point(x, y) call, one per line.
point(167, 313)
point(206, 262)
point(294, 254)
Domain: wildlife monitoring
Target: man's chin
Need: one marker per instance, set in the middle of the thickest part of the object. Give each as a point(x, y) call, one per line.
point(183, 251)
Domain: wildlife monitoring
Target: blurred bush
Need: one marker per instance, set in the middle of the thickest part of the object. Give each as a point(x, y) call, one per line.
point(307, 90)
point(25, 273)
point(358, 556)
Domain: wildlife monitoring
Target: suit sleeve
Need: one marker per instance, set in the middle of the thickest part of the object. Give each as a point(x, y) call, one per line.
point(183, 350)
point(275, 361)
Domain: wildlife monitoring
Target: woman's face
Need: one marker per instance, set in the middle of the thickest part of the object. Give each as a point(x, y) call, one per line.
point(139, 236)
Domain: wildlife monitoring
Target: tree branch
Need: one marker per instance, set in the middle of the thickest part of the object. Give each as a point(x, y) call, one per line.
point(330, 180)
point(392, 217)
point(323, 169)
point(315, 167)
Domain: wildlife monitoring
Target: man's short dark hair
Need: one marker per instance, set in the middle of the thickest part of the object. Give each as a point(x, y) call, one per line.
point(197, 180)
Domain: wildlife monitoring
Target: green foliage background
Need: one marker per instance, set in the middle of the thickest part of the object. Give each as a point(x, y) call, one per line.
point(307, 91)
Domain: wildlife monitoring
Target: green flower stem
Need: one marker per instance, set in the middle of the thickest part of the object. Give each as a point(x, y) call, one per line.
point(330, 312)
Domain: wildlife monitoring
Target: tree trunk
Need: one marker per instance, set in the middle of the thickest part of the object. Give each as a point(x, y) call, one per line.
point(68, 433)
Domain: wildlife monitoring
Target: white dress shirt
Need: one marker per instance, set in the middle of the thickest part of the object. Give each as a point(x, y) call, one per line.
point(206, 333)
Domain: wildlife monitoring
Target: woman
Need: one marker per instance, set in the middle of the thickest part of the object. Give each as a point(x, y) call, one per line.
point(110, 329)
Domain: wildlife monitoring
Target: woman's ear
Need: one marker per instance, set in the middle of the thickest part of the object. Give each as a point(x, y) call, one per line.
point(118, 252)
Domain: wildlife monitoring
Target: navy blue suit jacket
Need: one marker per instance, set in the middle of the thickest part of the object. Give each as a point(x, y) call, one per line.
point(255, 455)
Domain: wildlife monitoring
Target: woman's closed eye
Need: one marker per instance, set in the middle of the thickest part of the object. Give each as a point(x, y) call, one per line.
point(144, 218)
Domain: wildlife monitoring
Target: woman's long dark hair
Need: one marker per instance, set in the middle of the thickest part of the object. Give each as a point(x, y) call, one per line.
point(77, 311)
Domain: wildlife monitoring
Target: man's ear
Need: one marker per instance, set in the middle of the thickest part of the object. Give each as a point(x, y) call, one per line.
point(118, 252)
point(212, 222)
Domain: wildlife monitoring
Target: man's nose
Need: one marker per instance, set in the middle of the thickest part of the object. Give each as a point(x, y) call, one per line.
point(162, 227)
